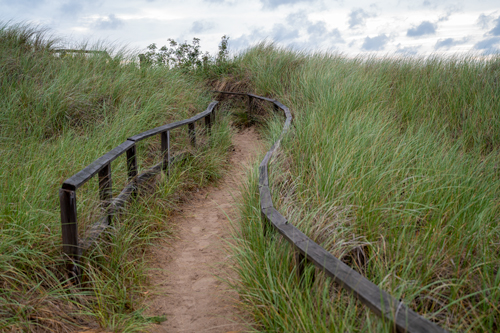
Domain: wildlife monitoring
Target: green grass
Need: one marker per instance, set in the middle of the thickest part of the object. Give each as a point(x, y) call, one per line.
point(57, 116)
point(392, 165)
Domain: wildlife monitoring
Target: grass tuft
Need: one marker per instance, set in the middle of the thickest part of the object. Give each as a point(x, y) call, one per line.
point(60, 112)
point(392, 166)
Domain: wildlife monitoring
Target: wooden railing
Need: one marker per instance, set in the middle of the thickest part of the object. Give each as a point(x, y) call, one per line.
point(73, 246)
point(379, 301)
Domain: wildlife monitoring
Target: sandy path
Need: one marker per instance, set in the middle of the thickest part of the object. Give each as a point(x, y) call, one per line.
point(187, 289)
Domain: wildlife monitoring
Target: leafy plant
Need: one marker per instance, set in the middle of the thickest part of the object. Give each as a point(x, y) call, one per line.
point(185, 56)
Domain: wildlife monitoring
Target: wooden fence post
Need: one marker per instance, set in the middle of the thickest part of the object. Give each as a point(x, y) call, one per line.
point(250, 100)
point(192, 134)
point(165, 150)
point(105, 190)
point(132, 166)
point(69, 227)
point(208, 122)
point(132, 162)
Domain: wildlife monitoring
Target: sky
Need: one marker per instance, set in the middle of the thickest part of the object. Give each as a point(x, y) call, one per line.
point(356, 27)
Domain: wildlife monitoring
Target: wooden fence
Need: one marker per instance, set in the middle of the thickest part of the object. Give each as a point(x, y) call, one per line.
point(73, 247)
point(380, 302)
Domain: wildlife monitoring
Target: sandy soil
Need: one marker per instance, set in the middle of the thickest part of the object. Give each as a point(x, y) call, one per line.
point(185, 278)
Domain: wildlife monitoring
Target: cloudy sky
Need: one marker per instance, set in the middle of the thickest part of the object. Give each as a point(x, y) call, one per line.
point(417, 27)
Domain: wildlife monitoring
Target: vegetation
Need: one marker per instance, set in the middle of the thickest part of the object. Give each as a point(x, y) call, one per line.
point(393, 166)
point(189, 58)
point(58, 114)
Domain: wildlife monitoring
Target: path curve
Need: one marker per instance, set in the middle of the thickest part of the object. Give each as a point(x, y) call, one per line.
point(184, 278)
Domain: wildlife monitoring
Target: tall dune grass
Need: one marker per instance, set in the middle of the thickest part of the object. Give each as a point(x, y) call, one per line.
point(58, 114)
point(393, 166)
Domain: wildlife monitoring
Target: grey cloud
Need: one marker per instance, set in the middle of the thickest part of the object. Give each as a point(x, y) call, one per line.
point(109, 23)
point(226, 2)
point(289, 34)
point(75, 8)
point(446, 43)
point(408, 50)
point(298, 19)
point(424, 28)
point(316, 40)
point(317, 32)
point(496, 30)
point(335, 33)
point(357, 17)
point(318, 28)
point(71, 8)
point(449, 42)
point(246, 40)
point(490, 45)
point(275, 3)
point(449, 11)
point(333, 36)
point(375, 43)
point(484, 21)
point(25, 3)
point(281, 33)
point(375, 7)
point(201, 26)
point(429, 4)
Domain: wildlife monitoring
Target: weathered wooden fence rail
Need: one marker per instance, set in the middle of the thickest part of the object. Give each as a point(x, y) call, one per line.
point(379, 301)
point(73, 246)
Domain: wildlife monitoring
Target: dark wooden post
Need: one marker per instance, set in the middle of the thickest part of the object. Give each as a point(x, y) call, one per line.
point(132, 163)
point(165, 150)
point(250, 99)
point(192, 134)
point(69, 228)
point(105, 191)
point(208, 122)
point(132, 166)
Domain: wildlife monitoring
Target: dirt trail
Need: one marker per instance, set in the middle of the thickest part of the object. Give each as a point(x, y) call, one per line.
point(187, 289)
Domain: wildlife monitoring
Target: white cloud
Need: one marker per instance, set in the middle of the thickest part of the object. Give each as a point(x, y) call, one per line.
point(391, 26)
